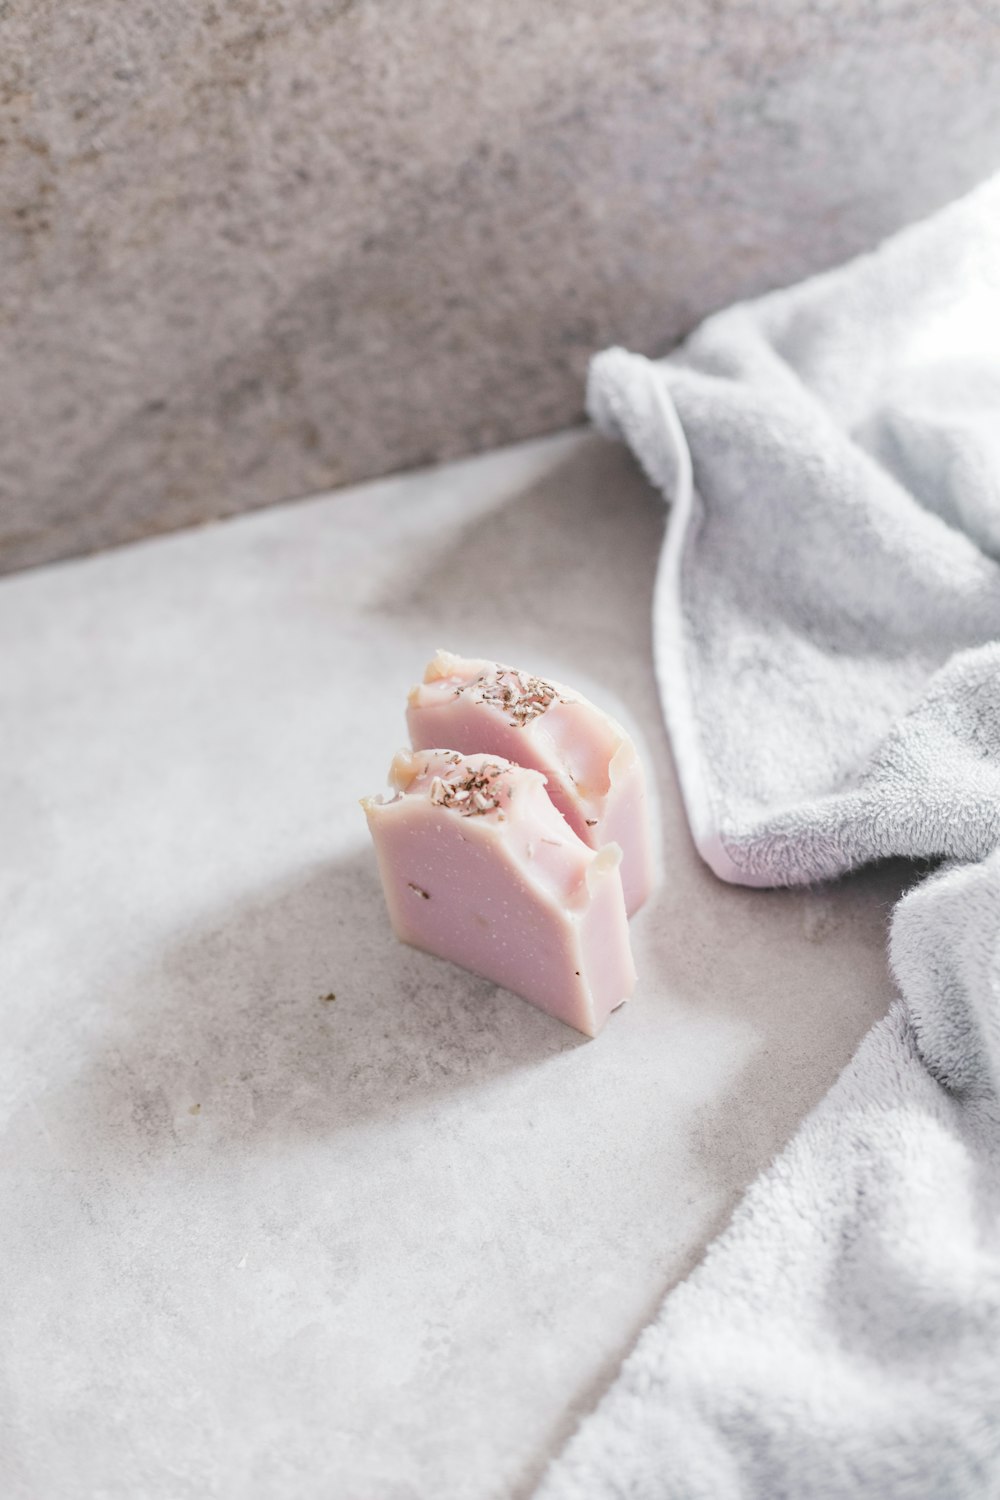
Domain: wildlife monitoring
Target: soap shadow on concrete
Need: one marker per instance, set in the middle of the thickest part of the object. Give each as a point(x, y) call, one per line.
point(296, 1013)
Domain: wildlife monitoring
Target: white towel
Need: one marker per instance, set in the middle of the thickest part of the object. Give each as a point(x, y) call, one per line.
point(827, 628)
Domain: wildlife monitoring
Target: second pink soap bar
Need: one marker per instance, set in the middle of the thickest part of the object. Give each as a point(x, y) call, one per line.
point(594, 774)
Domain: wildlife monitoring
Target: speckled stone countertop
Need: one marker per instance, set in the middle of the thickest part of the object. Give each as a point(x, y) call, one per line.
point(290, 1211)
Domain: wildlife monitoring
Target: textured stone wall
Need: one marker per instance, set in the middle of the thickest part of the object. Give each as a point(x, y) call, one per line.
point(255, 249)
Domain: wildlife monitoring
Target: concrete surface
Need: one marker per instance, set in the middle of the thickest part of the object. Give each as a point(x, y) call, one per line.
point(250, 250)
point(260, 1242)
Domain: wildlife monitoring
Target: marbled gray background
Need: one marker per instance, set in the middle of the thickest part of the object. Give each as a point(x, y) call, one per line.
point(255, 249)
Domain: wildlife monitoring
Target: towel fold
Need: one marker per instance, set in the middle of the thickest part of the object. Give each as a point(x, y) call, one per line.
point(827, 634)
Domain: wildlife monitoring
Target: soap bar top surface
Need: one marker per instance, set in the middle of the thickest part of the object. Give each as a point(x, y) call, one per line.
point(479, 867)
point(591, 766)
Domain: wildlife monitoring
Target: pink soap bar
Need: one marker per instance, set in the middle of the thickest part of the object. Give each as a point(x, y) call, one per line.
point(479, 867)
point(594, 774)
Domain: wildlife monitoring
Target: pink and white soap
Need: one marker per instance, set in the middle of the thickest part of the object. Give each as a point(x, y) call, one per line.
point(478, 867)
point(594, 774)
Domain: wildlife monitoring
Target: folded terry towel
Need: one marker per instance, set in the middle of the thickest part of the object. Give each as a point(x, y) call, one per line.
point(827, 629)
